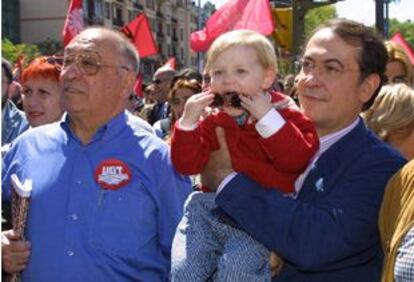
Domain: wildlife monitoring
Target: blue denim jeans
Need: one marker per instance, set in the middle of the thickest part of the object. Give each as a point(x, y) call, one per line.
point(204, 248)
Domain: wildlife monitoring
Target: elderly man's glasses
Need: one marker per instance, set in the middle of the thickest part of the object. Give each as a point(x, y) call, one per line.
point(329, 70)
point(88, 63)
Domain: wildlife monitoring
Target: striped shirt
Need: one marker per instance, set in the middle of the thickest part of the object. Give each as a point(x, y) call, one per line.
point(404, 263)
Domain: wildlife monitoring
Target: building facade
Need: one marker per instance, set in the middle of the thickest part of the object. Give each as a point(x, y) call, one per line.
point(172, 22)
point(41, 20)
point(10, 24)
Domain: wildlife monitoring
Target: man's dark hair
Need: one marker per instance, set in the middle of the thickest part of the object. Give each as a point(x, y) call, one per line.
point(187, 74)
point(373, 55)
point(6, 66)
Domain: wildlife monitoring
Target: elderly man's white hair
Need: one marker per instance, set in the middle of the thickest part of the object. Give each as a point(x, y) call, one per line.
point(126, 48)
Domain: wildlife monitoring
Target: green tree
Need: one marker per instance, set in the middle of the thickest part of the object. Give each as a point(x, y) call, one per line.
point(406, 28)
point(12, 51)
point(50, 47)
point(316, 16)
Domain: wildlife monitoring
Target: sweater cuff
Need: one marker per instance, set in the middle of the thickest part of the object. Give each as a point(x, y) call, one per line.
point(270, 123)
point(186, 128)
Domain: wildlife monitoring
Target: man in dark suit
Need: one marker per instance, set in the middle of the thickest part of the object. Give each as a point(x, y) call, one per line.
point(327, 231)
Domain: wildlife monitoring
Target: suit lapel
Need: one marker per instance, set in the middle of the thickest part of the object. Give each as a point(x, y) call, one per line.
point(333, 163)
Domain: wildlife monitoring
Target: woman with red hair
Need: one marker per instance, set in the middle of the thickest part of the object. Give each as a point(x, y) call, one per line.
point(42, 91)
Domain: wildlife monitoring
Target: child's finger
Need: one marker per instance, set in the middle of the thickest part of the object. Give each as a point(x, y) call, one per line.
point(200, 98)
point(246, 106)
point(206, 99)
point(246, 99)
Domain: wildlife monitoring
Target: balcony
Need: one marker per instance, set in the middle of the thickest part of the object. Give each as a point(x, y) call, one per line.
point(117, 22)
point(180, 4)
point(138, 6)
point(179, 63)
point(97, 20)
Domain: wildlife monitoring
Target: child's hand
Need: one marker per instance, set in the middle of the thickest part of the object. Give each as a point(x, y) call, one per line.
point(258, 105)
point(194, 107)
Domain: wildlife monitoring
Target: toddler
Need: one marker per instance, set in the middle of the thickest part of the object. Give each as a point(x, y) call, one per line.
point(268, 139)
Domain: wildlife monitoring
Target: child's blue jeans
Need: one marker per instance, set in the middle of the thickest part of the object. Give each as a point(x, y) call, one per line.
point(204, 248)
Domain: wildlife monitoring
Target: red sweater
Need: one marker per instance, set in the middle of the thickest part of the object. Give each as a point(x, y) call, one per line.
point(274, 162)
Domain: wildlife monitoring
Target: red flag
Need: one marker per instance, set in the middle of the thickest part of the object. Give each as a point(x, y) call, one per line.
point(170, 64)
point(74, 21)
point(138, 86)
point(235, 14)
point(400, 40)
point(139, 31)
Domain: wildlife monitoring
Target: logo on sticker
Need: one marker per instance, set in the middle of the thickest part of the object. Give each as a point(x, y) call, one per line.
point(112, 174)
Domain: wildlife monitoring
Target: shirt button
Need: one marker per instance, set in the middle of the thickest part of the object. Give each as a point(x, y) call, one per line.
point(74, 216)
point(71, 253)
point(78, 182)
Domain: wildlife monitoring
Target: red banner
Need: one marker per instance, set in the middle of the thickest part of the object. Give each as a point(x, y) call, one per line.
point(170, 64)
point(400, 40)
point(139, 31)
point(234, 14)
point(74, 21)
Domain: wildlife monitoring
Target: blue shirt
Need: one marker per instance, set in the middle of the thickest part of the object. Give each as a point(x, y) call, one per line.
point(80, 231)
point(159, 112)
point(13, 123)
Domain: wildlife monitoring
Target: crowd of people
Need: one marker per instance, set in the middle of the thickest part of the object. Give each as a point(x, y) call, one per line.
point(229, 174)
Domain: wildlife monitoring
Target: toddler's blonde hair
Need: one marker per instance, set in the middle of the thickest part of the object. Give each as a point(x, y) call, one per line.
point(242, 37)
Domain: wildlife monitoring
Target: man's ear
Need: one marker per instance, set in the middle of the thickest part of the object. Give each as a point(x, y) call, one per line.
point(368, 87)
point(269, 78)
point(128, 83)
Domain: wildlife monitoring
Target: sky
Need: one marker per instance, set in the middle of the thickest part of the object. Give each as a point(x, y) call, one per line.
point(360, 10)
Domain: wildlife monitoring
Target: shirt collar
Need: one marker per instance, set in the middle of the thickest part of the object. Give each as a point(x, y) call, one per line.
point(325, 143)
point(328, 140)
point(105, 132)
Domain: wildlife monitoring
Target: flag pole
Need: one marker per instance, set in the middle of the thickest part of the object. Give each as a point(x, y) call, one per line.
point(199, 57)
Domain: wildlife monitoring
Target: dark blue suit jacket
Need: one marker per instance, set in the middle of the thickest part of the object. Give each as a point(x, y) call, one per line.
point(329, 233)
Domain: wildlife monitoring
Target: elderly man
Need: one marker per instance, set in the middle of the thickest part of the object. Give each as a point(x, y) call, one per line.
point(162, 81)
point(105, 200)
point(328, 230)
